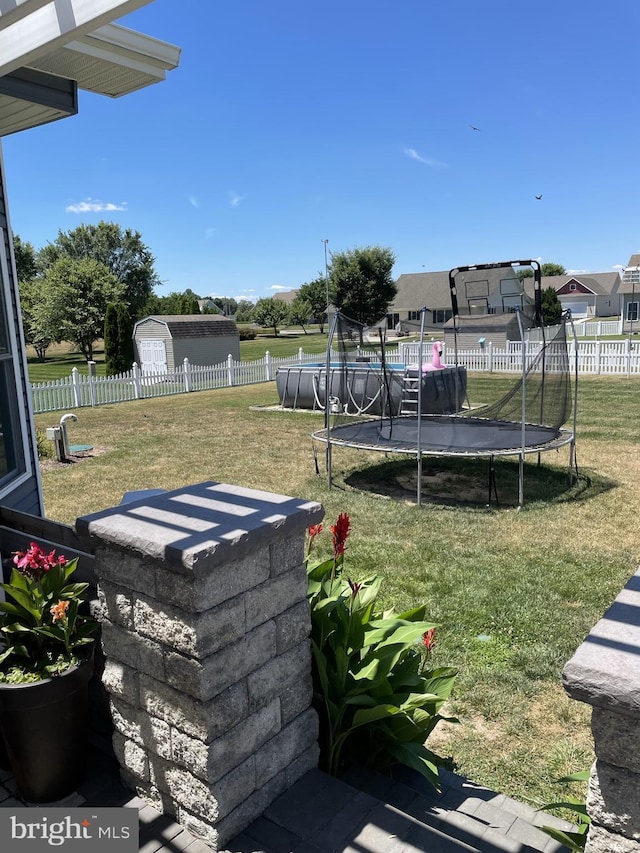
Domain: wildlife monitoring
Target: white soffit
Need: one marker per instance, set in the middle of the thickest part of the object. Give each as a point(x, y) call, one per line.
point(31, 28)
point(111, 61)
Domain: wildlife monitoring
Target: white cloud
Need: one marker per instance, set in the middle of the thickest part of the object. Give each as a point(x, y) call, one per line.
point(209, 232)
point(577, 272)
point(93, 206)
point(193, 201)
point(278, 287)
point(618, 267)
point(428, 161)
point(234, 198)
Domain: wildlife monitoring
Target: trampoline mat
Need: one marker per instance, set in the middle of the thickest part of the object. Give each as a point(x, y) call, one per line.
point(452, 436)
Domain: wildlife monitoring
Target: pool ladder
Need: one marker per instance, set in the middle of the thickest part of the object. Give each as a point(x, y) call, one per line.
point(409, 399)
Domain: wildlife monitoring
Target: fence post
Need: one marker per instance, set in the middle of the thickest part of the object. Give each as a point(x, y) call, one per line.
point(300, 354)
point(267, 365)
point(598, 352)
point(75, 380)
point(92, 377)
point(137, 384)
point(490, 355)
point(230, 371)
point(187, 375)
point(627, 346)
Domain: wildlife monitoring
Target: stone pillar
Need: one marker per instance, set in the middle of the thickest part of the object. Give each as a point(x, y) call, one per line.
point(605, 673)
point(206, 640)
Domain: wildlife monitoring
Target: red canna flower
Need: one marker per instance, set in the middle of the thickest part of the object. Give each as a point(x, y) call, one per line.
point(429, 639)
point(340, 531)
point(355, 587)
point(314, 530)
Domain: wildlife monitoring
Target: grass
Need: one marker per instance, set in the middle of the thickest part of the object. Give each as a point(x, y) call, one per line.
point(515, 592)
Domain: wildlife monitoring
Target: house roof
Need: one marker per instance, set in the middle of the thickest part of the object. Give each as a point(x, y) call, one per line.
point(634, 261)
point(194, 325)
point(50, 48)
point(600, 283)
point(415, 290)
point(286, 296)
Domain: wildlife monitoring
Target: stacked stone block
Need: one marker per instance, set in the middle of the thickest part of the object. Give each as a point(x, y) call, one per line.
point(206, 638)
point(605, 673)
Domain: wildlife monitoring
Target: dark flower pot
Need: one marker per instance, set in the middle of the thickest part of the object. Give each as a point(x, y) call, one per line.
point(44, 726)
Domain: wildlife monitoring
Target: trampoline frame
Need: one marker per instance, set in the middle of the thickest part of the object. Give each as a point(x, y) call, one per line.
point(562, 438)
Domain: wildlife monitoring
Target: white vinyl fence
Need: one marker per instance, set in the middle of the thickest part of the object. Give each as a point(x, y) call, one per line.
point(594, 357)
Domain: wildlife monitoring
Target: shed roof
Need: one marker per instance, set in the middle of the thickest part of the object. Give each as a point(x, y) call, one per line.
point(194, 325)
point(487, 322)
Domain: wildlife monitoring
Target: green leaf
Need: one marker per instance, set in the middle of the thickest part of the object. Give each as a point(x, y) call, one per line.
point(573, 840)
point(371, 715)
point(419, 758)
point(580, 776)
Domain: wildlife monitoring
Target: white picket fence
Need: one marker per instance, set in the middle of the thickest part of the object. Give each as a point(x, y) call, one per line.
point(621, 358)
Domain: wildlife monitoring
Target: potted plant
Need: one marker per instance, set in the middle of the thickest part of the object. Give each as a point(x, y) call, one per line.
point(46, 661)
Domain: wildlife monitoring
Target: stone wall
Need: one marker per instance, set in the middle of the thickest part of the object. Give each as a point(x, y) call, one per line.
point(605, 673)
point(205, 634)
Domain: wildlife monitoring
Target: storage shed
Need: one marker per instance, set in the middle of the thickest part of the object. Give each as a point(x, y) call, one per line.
point(472, 328)
point(162, 342)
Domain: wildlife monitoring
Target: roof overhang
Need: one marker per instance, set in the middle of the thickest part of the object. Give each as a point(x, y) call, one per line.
point(75, 41)
point(29, 98)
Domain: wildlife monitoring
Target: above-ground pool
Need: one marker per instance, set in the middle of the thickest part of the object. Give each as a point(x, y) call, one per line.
point(364, 388)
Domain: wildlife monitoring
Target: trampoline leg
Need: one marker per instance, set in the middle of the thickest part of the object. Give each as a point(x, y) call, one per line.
point(419, 485)
point(493, 488)
point(521, 481)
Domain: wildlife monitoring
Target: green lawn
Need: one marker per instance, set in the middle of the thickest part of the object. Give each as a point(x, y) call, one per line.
point(515, 592)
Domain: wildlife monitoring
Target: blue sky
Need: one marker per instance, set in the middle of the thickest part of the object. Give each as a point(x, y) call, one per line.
point(288, 123)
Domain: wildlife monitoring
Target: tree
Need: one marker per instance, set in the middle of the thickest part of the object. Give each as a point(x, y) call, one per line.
point(111, 341)
point(125, 337)
point(300, 313)
point(545, 269)
point(189, 303)
point(270, 312)
point(75, 296)
point(36, 332)
point(361, 284)
point(118, 341)
point(25, 256)
point(227, 305)
point(551, 307)
point(122, 252)
point(315, 293)
point(244, 311)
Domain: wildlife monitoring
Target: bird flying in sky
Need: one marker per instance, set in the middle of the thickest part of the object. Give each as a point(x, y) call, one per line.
point(473, 127)
point(538, 197)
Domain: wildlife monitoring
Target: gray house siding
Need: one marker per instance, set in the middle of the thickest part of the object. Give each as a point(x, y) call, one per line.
point(24, 494)
point(205, 351)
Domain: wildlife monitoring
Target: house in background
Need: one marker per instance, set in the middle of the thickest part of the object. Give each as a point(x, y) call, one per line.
point(162, 342)
point(629, 291)
point(286, 296)
point(587, 295)
point(48, 50)
point(490, 291)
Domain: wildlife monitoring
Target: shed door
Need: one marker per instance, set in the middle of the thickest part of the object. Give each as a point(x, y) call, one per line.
point(153, 357)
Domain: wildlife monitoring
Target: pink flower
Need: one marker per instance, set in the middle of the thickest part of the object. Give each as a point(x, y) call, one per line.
point(340, 531)
point(34, 562)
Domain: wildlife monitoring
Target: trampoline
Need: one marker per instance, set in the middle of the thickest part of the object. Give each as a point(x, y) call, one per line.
point(528, 419)
point(442, 435)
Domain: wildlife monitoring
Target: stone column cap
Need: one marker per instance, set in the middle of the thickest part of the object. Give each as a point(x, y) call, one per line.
point(197, 527)
point(605, 670)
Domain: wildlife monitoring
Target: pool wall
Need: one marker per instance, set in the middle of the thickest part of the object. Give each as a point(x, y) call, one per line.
point(361, 389)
